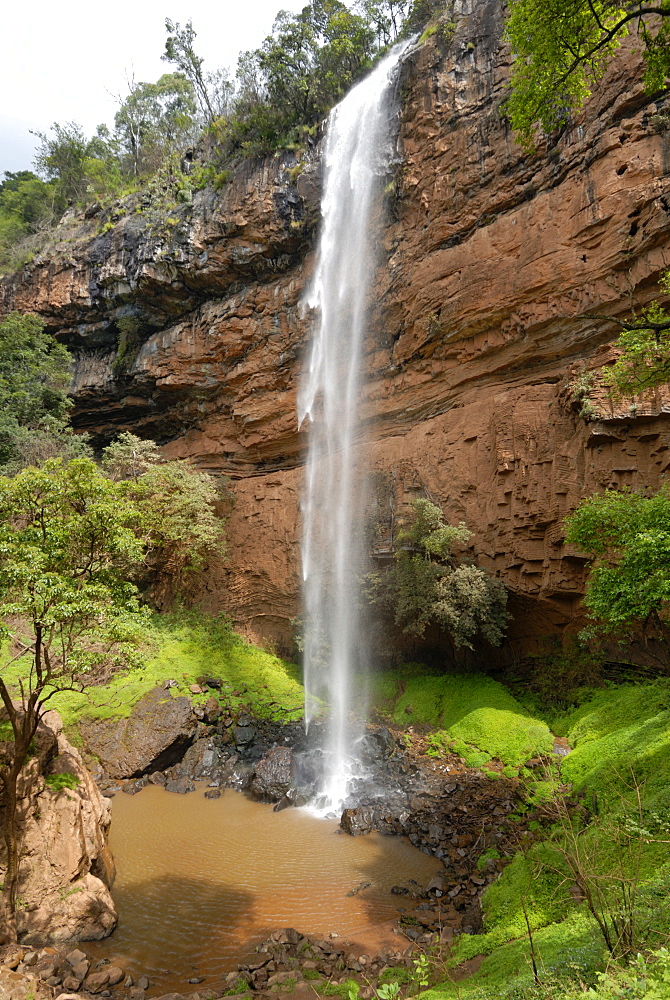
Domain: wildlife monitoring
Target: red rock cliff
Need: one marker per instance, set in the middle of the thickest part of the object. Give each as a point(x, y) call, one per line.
point(487, 258)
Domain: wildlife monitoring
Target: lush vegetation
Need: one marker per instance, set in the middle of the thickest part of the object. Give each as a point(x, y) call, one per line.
point(34, 378)
point(627, 537)
point(611, 844)
point(426, 582)
point(472, 714)
point(184, 131)
point(84, 551)
point(562, 48)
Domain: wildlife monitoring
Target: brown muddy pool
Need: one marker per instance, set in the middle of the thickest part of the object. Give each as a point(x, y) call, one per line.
point(200, 882)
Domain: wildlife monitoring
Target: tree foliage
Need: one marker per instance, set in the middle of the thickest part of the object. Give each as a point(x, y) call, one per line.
point(212, 90)
point(426, 583)
point(67, 539)
point(154, 120)
point(562, 48)
point(26, 204)
point(643, 362)
point(79, 168)
point(34, 378)
point(308, 62)
point(183, 511)
point(626, 536)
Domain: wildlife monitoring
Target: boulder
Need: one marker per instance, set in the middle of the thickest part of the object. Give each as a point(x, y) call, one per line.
point(243, 734)
point(273, 775)
point(158, 731)
point(66, 867)
point(358, 821)
point(180, 785)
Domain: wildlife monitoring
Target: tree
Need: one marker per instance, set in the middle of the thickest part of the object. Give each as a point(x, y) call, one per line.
point(643, 362)
point(385, 17)
point(26, 204)
point(35, 373)
point(299, 72)
point(213, 91)
point(155, 120)
point(77, 166)
point(562, 48)
point(183, 512)
point(128, 456)
point(67, 540)
point(426, 584)
point(626, 536)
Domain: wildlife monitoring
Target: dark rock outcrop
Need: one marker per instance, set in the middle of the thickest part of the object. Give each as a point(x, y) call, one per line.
point(156, 734)
point(273, 775)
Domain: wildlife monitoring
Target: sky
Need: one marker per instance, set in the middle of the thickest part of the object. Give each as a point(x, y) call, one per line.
point(67, 60)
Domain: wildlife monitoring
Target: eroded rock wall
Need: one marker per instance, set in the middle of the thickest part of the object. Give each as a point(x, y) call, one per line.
point(66, 868)
point(487, 259)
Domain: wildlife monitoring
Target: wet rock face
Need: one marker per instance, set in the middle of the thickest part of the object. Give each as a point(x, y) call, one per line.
point(273, 775)
point(488, 259)
point(156, 735)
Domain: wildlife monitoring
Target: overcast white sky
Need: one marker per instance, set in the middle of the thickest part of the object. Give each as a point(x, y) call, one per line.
point(63, 59)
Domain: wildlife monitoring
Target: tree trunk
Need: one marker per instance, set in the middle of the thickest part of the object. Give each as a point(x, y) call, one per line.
point(10, 837)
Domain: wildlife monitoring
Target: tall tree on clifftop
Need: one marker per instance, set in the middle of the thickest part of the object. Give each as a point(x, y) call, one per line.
point(562, 48)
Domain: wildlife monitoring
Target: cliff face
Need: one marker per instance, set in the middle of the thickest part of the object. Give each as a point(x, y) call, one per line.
point(487, 259)
point(66, 867)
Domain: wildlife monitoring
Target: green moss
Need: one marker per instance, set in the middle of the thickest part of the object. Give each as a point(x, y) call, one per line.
point(182, 648)
point(570, 950)
point(339, 989)
point(58, 782)
point(622, 736)
point(490, 854)
point(472, 709)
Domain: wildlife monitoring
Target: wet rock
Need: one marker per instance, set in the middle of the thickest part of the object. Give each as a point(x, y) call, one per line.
point(133, 787)
point(143, 983)
point(96, 981)
point(213, 793)
point(358, 821)
point(71, 984)
point(201, 759)
point(180, 785)
point(115, 974)
point(212, 711)
point(272, 776)
point(76, 957)
point(209, 681)
point(155, 735)
point(243, 734)
point(157, 778)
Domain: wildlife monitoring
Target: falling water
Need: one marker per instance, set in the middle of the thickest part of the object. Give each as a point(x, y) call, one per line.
point(358, 151)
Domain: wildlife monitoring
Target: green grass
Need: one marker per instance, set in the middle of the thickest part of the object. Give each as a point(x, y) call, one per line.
point(182, 648)
point(568, 950)
point(621, 740)
point(622, 736)
point(476, 712)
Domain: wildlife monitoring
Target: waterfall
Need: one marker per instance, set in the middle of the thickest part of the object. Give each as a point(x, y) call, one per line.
point(358, 152)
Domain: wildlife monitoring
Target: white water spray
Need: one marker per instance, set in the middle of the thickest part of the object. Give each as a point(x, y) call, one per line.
point(357, 155)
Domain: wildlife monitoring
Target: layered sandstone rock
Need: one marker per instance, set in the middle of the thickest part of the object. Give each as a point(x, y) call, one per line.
point(66, 868)
point(487, 259)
